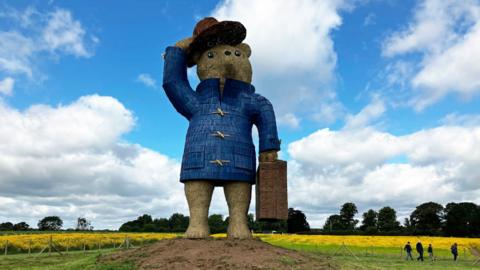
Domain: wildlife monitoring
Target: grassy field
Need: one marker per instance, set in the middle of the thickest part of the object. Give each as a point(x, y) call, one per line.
point(361, 252)
point(88, 261)
point(72, 261)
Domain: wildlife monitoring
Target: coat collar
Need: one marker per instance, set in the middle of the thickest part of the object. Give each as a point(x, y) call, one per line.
point(231, 89)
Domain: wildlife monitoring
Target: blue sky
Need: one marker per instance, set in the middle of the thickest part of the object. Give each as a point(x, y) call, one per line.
point(377, 103)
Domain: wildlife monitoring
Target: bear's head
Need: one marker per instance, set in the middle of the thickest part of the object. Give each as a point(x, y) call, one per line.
point(225, 62)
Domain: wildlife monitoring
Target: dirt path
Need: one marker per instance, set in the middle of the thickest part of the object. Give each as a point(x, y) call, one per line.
point(218, 254)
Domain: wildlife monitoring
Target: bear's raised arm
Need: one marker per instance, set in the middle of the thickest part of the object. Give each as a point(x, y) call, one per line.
point(175, 82)
point(265, 121)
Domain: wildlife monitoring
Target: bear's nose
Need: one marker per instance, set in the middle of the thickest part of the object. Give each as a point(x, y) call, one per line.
point(228, 52)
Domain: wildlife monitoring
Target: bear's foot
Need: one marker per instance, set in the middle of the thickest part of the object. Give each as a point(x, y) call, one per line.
point(197, 232)
point(238, 231)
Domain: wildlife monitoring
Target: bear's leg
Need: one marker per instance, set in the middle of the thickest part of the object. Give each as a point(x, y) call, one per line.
point(238, 196)
point(199, 195)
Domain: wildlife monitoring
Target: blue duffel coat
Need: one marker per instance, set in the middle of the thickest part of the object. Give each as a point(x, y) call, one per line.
point(219, 144)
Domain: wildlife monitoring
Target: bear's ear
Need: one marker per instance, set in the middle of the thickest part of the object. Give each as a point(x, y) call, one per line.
point(245, 48)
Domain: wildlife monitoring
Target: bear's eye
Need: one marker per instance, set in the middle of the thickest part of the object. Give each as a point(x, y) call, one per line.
point(210, 54)
point(237, 53)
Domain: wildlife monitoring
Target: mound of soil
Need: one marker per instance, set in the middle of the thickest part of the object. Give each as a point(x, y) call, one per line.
point(218, 254)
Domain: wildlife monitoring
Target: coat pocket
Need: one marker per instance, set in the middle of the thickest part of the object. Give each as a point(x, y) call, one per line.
point(194, 158)
point(245, 158)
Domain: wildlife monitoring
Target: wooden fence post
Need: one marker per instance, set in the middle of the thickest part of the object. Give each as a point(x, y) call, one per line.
point(84, 246)
point(29, 246)
point(50, 244)
point(6, 247)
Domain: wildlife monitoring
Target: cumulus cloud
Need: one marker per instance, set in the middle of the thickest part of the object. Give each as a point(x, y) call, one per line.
point(292, 53)
point(374, 168)
point(6, 86)
point(31, 34)
point(445, 34)
point(70, 160)
point(147, 80)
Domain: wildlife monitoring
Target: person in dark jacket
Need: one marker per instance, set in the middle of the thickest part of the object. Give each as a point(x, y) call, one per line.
point(408, 249)
point(419, 248)
point(430, 252)
point(454, 250)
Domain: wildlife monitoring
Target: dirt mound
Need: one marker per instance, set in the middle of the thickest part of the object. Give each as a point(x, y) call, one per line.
point(218, 254)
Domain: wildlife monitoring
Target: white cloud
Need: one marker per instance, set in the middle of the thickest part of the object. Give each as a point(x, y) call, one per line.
point(70, 161)
point(6, 86)
point(446, 35)
point(31, 35)
point(147, 80)
point(65, 34)
point(289, 120)
point(293, 56)
point(368, 114)
point(369, 19)
point(454, 119)
point(16, 53)
point(375, 168)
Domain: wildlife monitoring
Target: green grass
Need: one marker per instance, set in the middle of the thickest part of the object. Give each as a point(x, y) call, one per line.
point(388, 252)
point(378, 258)
point(382, 257)
point(69, 261)
point(382, 262)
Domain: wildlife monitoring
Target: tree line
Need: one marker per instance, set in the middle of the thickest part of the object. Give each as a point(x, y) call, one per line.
point(430, 218)
point(50, 223)
point(297, 222)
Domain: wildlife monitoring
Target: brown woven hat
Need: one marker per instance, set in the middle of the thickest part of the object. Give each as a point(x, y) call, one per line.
point(209, 32)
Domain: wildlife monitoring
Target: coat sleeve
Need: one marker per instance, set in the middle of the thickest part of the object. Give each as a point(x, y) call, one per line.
point(175, 82)
point(266, 124)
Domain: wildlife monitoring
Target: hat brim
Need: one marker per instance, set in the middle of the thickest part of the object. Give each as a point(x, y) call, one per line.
point(222, 33)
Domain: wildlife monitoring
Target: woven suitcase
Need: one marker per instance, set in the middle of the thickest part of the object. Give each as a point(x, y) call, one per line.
point(271, 191)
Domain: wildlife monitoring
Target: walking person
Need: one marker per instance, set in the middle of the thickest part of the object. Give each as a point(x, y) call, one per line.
point(419, 248)
point(430, 252)
point(408, 249)
point(454, 250)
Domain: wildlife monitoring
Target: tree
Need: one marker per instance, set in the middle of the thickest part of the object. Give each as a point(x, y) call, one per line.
point(462, 219)
point(178, 222)
point(21, 226)
point(369, 222)
point(138, 225)
point(297, 221)
point(162, 225)
point(347, 212)
point(271, 226)
point(51, 223)
point(83, 224)
point(387, 220)
point(426, 219)
point(333, 223)
point(6, 226)
point(252, 225)
point(217, 224)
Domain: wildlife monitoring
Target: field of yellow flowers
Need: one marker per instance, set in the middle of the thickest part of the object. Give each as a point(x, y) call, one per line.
point(369, 241)
point(371, 245)
point(323, 243)
point(76, 241)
